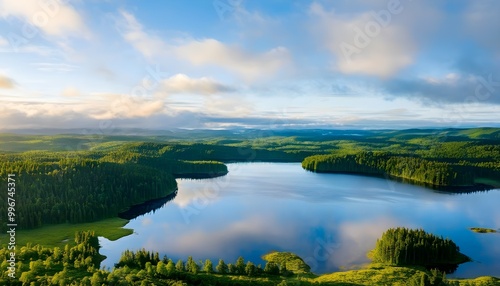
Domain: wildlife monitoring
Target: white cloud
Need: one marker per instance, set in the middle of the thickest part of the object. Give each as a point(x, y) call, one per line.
point(148, 45)
point(206, 52)
point(233, 58)
point(54, 18)
point(3, 42)
point(37, 114)
point(55, 67)
point(115, 107)
point(233, 107)
point(362, 44)
point(92, 114)
point(125, 106)
point(6, 82)
point(70, 92)
point(181, 83)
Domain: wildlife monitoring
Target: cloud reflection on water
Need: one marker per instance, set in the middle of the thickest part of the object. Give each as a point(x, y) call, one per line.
point(329, 220)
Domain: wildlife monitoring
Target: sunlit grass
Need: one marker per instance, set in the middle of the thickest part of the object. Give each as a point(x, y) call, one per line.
point(62, 234)
point(379, 274)
point(375, 274)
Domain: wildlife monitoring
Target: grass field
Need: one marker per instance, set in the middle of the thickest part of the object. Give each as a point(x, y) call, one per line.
point(375, 274)
point(378, 274)
point(61, 234)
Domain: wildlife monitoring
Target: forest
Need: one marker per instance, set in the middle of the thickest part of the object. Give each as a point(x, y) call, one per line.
point(80, 265)
point(81, 190)
point(61, 188)
point(402, 246)
point(83, 178)
point(74, 178)
point(413, 169)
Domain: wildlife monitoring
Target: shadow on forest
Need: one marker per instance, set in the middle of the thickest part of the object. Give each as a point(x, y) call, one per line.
point(146, 207)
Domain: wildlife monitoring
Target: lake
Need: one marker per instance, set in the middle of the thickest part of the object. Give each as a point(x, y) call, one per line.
point(330, 220)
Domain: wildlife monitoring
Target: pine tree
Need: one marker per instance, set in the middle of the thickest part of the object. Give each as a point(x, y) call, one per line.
point(240, 265)
point(208, 267)
point(179, 266)
point(222, 268)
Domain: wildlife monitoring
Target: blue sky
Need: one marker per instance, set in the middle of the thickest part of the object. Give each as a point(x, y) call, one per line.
point(240, 63)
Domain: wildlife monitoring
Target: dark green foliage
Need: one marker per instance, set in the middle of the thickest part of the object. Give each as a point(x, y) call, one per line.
point(47, 266)
point(434, 278)
point(179, 266)
point(402, 246)
point(171, 267)
point(138, 259)
point(231, 268)
point(384, 164)
point(250, 269)
point(158, 154)
point(240, 266)
point(36, 261)
point(222, 267)
point(112, 173)
point(192, 266)
point(272, 268)
point(208, 266)
point(79, 190)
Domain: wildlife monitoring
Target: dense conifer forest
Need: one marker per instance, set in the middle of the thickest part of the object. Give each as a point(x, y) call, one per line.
point(413, 169)
point(113, 173)
point(75, 179)
point(81, 190)
point(402, 246)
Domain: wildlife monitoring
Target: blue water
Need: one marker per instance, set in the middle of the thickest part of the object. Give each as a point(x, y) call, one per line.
point(330, 220)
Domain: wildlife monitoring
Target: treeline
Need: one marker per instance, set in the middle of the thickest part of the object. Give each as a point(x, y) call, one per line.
point(471, 151)
point(79, 190)
point(402, 246)
point(186, 169)
point(166, 158)
point(75, 187)
point(390, 165)
point(80, 265)
point(206, 152)
point(167, 268)
point(52, 266)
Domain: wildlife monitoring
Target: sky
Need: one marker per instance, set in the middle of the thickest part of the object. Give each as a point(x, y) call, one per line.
point(213, 64)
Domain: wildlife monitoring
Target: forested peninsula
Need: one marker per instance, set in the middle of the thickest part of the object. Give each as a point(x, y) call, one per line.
point(75, 178)
point(65, 181)
point(433, 173)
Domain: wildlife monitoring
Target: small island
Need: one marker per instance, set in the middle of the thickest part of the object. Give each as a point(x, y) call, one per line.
point(401, 257)
point(483, 230)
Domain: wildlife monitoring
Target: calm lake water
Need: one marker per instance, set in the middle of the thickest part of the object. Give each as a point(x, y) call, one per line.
point(330, 220)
